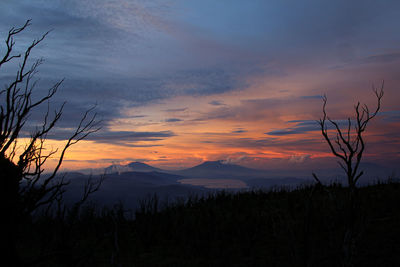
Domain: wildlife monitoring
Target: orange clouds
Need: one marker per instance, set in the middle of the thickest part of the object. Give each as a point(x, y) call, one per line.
point(269, 124)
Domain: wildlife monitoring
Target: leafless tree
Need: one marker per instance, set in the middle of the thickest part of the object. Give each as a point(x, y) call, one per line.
point(348, 145)
point(24, 187)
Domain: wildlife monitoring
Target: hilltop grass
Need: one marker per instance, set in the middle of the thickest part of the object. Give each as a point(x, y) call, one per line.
point(302, 227)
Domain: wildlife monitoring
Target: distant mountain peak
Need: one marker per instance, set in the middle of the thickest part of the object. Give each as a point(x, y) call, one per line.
point(215, 163)
point(138, 164)
point(218, 169)
point(133, 166)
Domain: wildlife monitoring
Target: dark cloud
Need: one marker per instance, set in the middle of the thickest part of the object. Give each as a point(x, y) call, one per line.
point(239, 130)
point(92, 54)
point(110, 57)
point(283, 132)
point(390, 115)
point(124, 138)
point(306, 126)
point(383, 58)
point(173, 120)
point(208, 81)
point(95, 52)
point(312, 97)
point(216, 103)
point(130, 136)
point(175, 110)
point(137, 116)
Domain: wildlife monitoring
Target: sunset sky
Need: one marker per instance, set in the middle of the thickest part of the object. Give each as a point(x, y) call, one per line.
point(179, 82)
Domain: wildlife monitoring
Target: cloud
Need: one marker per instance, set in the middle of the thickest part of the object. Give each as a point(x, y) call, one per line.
point(283, 132)
point(137, 116)
point(390, 115)
point(201, 81)
point(308, 144)
point(239, 130)
point(312, 97)
point(216, 103)
point(382, 58)
point(122, 54)
point(299, 158)
point(306, 126)
point(236, 158)
point(175, 110)
point(249, 109)
point(173, 120)
point(258, 109)
point(124, 138)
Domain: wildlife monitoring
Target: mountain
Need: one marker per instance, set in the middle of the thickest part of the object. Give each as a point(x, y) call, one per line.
point(131, 167)
point(142, 167)
point(219, 169)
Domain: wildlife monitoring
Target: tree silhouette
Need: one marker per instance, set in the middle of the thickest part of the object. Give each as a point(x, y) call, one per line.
point(348, 145)
point(24, 187)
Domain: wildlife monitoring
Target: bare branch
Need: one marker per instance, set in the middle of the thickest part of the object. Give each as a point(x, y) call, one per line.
point(14, 114)
point(350, 151)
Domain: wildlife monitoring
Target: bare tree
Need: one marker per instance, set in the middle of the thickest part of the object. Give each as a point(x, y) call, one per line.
point(348, 145)
point(24, 188)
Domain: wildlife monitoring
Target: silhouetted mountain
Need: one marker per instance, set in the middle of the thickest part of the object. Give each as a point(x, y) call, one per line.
point(143, 167)
point(219, 169)
point(133, 166)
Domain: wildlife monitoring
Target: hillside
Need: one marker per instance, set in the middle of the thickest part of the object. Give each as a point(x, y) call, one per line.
point(303, 227)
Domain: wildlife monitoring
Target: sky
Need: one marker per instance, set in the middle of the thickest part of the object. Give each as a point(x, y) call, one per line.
point(180, 82)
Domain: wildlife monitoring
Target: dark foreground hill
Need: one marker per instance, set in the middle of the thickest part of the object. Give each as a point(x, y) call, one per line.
point(303, 227)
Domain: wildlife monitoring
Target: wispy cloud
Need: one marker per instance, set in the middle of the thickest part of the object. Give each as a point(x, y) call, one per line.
point(173, 120)
point(312, 97)
point(306, 126)
point(383, 58)
point(123, 138)
point(216, 103)
point(175, 109)
point(239, 130)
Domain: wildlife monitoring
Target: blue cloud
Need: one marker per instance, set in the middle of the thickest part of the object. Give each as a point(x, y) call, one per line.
point(239, 130)
point(216, 103)
point(311, 97)
point(390, 115)
point(124, 138)
point(173, 120)
point(305, 126)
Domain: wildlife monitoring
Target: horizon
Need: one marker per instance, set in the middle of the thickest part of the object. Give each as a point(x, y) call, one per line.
point(224, 162)
point(179, 83)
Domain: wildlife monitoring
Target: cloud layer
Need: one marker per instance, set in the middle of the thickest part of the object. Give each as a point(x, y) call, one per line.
point(197, 80)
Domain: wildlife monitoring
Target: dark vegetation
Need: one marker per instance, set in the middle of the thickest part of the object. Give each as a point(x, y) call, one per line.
point(303, 227)
point(314, 225)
